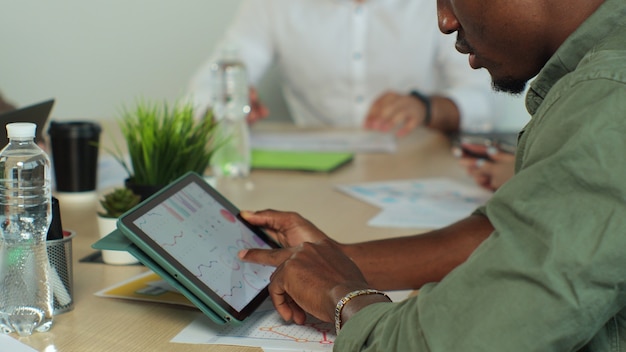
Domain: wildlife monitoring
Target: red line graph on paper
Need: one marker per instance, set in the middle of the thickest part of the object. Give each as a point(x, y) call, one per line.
point(323, 328)
point(266, 328)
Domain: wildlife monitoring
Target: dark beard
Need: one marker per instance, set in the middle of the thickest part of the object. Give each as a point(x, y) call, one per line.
point(509, 85)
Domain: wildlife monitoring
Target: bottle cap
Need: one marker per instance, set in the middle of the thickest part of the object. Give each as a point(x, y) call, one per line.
point(21, 130)
point(230, 52)
point(74, 129)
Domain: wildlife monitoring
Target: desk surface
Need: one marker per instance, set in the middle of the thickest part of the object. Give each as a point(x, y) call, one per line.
point(105, 324)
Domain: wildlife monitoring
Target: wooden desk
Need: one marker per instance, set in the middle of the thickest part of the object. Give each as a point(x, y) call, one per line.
point(103, 324)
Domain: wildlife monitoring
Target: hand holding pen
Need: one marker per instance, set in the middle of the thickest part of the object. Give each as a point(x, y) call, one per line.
point(489, 165)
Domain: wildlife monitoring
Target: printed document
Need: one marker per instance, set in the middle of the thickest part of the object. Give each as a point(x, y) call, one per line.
point(418, 203)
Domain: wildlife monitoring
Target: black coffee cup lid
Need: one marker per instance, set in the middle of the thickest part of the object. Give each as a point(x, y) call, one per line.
point(74, 129)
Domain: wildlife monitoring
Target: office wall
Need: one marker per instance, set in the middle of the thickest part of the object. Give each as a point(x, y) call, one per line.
point(94, 56)
point(511, 112)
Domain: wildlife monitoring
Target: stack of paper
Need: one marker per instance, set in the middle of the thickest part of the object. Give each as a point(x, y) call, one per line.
point(422, 203)
point(337, 140)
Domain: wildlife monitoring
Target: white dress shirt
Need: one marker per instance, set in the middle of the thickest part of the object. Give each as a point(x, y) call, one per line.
point(335, 57)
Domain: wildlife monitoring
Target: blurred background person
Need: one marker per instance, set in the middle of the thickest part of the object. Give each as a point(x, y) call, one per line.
point(489, 158)
point(489, 171)
point(352, 63)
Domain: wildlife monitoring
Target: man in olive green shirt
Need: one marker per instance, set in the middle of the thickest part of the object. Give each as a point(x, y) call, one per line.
point(542, 267)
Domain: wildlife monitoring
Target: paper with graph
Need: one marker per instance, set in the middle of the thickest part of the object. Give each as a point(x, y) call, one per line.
point(265, 329)
point(418, 203)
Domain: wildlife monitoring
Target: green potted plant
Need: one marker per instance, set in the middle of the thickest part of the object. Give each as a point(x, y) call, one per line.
point(114, 204)
point(164, 142)
point(117, 202)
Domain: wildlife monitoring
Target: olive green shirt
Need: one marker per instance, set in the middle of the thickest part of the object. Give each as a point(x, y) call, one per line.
point(552, 276)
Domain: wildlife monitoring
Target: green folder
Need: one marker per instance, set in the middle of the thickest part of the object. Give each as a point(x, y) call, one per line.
point(299, 160)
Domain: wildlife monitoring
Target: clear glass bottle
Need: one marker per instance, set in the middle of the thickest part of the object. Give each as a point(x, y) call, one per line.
point(25, 203)
point(231, 106)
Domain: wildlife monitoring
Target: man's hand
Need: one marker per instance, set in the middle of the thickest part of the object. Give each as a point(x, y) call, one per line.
point(391, 110)
point(309, 278)
point(490, 171)
point(312, 273)
point(287, 228)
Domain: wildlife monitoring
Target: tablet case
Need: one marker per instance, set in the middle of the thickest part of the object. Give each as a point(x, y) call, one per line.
point(116, 241)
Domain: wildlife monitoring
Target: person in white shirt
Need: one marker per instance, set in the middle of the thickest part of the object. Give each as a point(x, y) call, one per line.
point(378, 64)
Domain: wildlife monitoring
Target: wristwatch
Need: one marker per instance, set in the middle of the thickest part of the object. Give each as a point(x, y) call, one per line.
point(427, 105)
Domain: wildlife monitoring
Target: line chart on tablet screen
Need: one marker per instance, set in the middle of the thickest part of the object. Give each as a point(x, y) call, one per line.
point(205, 238)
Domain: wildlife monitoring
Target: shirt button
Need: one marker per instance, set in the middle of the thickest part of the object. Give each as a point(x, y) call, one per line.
point(357, 56)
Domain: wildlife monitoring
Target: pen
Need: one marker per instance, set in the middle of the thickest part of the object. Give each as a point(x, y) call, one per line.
point(480, 147)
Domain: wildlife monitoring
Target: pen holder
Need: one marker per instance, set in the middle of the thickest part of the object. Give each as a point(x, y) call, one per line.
point(61, 272)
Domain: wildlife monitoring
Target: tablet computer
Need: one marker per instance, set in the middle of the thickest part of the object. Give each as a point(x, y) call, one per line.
point(116, 241)
point(194, 234)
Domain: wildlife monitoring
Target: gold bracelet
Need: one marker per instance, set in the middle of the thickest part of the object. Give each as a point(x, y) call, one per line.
point(342, 302)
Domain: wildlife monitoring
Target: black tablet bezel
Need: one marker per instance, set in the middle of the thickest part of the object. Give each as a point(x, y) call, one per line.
point(146, 206)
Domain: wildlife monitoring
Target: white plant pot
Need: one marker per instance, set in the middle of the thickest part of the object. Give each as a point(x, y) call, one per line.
point(106, 226)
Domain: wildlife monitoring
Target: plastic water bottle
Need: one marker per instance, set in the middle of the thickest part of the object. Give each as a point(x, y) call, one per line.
point(25, 201)
point(231, 105)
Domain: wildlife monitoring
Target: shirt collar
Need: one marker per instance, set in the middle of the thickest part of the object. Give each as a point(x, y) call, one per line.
point(599, 25)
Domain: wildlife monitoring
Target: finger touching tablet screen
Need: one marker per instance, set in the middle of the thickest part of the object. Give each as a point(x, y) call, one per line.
point(194, 233)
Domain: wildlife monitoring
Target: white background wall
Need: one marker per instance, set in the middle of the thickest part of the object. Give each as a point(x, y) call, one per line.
point(93, 56)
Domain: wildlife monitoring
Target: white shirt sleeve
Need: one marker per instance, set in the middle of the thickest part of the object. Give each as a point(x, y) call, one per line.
point(335, 58)
point(250, 34)
point(469, 89)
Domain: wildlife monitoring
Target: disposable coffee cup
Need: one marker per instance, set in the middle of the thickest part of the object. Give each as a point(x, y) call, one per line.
point(74, 147)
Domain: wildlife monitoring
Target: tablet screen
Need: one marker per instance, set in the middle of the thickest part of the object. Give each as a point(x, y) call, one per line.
point(200, 233)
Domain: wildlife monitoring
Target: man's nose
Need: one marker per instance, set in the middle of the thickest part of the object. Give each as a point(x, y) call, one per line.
point(448, 23)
